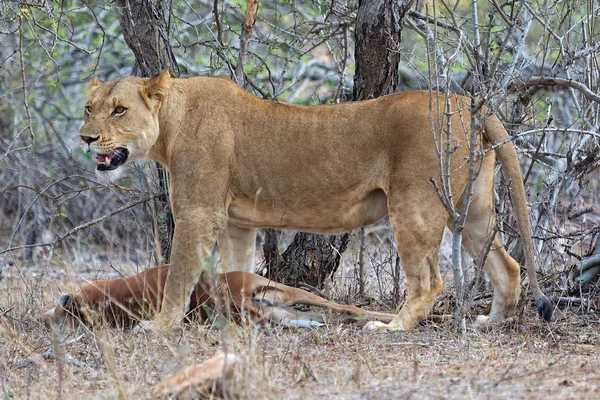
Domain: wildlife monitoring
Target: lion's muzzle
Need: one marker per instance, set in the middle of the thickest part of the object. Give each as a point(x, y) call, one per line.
point(112, 160)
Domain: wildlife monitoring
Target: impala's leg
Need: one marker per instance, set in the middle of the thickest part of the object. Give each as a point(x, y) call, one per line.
point(418, 230)
point(237, 247)
point(280, 295)
point(194, 236)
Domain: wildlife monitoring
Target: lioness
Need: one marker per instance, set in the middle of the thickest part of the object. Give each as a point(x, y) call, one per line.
point(123, 302)
point(238, 163)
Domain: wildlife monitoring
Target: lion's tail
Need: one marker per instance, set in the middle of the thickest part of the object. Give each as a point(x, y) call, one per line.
point(497, 135)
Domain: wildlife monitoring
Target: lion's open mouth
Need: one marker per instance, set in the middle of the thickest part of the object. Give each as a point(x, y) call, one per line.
point(112, 160)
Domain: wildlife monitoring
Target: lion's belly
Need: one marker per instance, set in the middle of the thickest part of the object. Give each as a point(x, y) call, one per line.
point(330, 217)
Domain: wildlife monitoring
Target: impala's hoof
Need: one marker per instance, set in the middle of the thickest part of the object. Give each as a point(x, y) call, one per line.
point(143, 327)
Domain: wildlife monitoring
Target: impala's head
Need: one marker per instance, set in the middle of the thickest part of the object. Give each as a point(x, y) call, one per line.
point(121, 119)
point(69, 308)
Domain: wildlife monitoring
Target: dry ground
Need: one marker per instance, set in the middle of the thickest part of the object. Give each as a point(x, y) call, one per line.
point(524, 359)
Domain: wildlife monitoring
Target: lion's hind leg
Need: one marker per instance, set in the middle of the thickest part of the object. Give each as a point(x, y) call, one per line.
point(501, 268)
point(418, 234)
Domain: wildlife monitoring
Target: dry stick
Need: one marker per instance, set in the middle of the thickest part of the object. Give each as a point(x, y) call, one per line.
point(108, 356)
point(572, 300)
point(444, 192)
point(579, 213)
point(537, 130)
point(23, 218)
point(487, 247)
point(3, 313)
point(249, 21)
point(217, 22)
point(12, 238)
point(396, 285)
point(547, 81)
point(342, 70)
point(509, 72)
point(25, 102)
point(361, 262)
point(505, 377)
point(505, 17)
point(50, 354)
point(59, 361)
point(67, 192)
point(86, 225)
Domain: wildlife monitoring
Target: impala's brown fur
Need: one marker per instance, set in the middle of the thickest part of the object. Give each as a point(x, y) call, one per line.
point(125, 301)
point(238, 163)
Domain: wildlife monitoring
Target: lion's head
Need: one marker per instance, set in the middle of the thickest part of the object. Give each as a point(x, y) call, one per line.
point(121, 119)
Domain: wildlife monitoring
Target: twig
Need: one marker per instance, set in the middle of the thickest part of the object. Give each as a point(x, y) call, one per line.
point(49, 354)
point(502, 14)
point(572, 300)
point(249, 21)
point(361, 262)
point(579, 213)
point(86, 225)
point(505, 378)
point(3, 313)
point(548, 81)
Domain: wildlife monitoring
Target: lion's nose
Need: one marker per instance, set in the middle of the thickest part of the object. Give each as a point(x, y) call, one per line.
point(89, 139)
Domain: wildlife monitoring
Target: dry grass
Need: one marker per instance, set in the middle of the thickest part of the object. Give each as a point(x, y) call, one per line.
point(524, 359)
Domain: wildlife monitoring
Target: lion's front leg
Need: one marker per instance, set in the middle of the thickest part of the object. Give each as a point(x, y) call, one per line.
point(193, 239)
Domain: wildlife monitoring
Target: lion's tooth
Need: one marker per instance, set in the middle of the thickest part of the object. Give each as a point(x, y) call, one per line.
point(107, 161)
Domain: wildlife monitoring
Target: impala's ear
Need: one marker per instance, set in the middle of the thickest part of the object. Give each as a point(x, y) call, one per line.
point(94, 83)
point(66, 301)
point(156, 88)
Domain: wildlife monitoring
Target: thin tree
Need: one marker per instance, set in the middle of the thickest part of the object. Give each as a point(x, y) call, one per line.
point(146, 27)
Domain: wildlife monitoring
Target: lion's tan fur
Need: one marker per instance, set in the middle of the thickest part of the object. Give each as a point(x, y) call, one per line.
point(238, 163)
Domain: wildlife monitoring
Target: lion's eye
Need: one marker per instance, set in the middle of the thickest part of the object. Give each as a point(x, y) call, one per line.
point(88, 110)
point(119, 110)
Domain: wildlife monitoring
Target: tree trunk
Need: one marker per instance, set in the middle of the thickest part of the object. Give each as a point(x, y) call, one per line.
point(312, 258)
point(145, 25)
point(377, 55)
point(377, 46)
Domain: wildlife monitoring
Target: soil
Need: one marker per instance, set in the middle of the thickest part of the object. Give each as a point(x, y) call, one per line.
point(525, 358)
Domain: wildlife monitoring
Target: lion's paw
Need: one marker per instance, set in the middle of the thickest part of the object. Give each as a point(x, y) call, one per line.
point(157, 326)
point(378, 325)
point(482, 320)
point(492, 322)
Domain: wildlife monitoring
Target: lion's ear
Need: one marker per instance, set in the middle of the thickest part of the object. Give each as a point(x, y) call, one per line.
point(156, 88)
point(94, 83)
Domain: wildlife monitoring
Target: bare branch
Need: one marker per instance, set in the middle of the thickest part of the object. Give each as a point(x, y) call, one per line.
point(86, 225)
point(550, 81)
point(249, 21)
